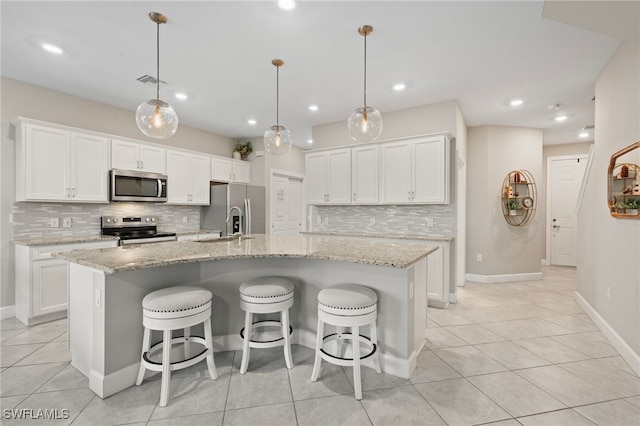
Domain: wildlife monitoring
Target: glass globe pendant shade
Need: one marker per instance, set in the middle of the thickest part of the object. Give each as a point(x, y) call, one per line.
point(156, 119)
point(365, 124)
point(277, 140)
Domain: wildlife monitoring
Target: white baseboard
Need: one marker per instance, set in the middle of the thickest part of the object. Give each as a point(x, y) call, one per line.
point(453, 298)
point(545, 262)
point(7, 311)
point(531, 276)
point(632, 358)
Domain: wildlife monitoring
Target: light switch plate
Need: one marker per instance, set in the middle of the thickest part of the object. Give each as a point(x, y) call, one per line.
point(55, 222)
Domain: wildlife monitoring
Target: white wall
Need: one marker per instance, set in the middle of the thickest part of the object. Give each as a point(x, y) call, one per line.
point(494, 151)
point(609, 248)
point(26, 100)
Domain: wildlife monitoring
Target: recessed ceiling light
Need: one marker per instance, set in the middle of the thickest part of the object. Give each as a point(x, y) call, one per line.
point(516, 102)
point(53, 48)
point(181, 96)
point(561, 118)
point(252, 122)
point(310, 141)
point(399, 86)
point(287, 5)
point(313, 107)
point(583, 134)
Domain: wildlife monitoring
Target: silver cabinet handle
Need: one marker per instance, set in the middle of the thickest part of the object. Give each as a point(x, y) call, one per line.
point(141, 165)
point(73, 192)
point(354, 197)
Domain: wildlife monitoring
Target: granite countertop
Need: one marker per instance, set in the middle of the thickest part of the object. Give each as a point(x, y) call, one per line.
point(143, 256)
point(432, 237)
point(75, 239)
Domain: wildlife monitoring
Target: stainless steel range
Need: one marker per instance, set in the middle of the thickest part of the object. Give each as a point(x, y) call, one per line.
point(135, 229)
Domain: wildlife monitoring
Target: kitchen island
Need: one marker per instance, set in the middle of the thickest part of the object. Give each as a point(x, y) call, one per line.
point(106, 287)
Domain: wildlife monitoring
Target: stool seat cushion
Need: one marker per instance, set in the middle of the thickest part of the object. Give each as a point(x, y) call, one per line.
point(347, 297)
point(176, 299)
point(266, 289)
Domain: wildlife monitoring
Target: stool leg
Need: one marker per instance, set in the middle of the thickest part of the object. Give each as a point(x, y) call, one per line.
point(284, 320)
point(248, 319)
point(340, 343)
point(166, 368)
point(146, 343)
point(319, 341)
point(211, 364)
point(374, 339)
point(357, 384)
point(187, 344)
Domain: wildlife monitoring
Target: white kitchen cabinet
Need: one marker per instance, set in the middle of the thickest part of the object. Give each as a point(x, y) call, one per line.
point(364, 174)
point(127, 155)
point(415, 171)
point(188, 178)
point(229, 170)
point(41, 280)
point(328, 175)
point(55, 164)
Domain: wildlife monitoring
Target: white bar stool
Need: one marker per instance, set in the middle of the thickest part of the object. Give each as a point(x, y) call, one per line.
point(174, 308)
point(264, 295)
point(353, 306)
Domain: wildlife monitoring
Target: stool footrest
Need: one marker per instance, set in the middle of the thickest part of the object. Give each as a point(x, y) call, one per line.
point(266, 343)
point(175, 365)
point(338, 360)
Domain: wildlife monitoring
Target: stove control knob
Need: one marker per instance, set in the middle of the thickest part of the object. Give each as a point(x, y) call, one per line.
point(153, 219)
point(147, 219)
point(115, 219)
point(108, 220)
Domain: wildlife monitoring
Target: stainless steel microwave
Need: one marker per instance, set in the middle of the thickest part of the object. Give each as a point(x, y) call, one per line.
point(128, 185)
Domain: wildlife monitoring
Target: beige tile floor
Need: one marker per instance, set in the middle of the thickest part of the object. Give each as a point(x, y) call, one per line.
point(507, 354)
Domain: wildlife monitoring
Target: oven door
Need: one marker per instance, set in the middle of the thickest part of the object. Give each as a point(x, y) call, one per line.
point(127, 185)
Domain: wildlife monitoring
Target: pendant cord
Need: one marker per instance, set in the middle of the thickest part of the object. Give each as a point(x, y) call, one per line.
point(365, 71)
point(158, 61)
point(277, 95)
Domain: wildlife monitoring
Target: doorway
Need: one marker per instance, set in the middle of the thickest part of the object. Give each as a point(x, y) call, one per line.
point(286, 208)
point(564, 180)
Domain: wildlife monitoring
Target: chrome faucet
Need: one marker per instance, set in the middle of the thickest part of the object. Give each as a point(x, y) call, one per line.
point(239, 213)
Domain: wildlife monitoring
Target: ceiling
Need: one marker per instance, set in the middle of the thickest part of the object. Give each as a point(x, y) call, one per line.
point(482, 54)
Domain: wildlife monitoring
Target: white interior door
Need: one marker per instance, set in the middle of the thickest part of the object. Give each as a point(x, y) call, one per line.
point(286, 205)
point(565, 178)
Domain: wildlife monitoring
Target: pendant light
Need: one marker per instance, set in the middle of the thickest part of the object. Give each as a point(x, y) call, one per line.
point(365, 123)
point(156, 118)
point(277, 139)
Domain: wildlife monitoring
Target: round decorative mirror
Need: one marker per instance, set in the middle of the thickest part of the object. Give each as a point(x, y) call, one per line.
point(623, 188)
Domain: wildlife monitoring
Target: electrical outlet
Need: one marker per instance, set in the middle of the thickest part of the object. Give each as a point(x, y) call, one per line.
point(326, 220)
point(319, 219)
point(185, 219)
point(55, 222)
point(479, 257)
point(372, 221)
point(609, 293)
point(66, 222)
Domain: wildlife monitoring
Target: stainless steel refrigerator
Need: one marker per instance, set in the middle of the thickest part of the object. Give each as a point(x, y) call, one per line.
point(243, 204)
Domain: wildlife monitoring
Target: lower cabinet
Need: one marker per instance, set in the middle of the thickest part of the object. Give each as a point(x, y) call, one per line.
point(41, 280)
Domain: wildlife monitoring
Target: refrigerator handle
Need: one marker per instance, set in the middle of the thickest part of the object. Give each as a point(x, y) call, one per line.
point(247, 216)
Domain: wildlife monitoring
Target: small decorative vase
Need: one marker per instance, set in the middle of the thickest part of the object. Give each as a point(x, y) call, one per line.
point(513, 212)
point(236, 155)
point(632, 212)
point(244, 157)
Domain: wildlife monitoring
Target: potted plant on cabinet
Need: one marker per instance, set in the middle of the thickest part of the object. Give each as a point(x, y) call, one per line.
point(631, 206)
point(242, 150)
point(513, 206)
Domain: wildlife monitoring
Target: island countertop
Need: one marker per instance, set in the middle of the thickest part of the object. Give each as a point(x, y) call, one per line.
point(144, 256)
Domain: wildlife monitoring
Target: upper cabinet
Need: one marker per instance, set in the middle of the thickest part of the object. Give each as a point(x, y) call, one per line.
point(329, 177)
point(55, 164)
point(415, 171)
point(229, 170)
point(127, 155)
point(364, 174)
point(188, 178)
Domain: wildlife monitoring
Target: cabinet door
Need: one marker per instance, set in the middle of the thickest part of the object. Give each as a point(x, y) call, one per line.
point(429, 165)
point(395, 172)
point(316, 177)
point(339, 173)
point(47, 163)
point(153, 159)
point(89, 168)
point(241, 171)
point(49, 286)
point(125, 155)
point(435, 281)
point(364, 174)
point(179, 177)
point(200, 171)
point(221, 169)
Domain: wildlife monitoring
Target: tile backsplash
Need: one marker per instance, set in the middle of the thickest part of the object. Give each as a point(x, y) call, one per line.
point(398, 219)
point(33, 220)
